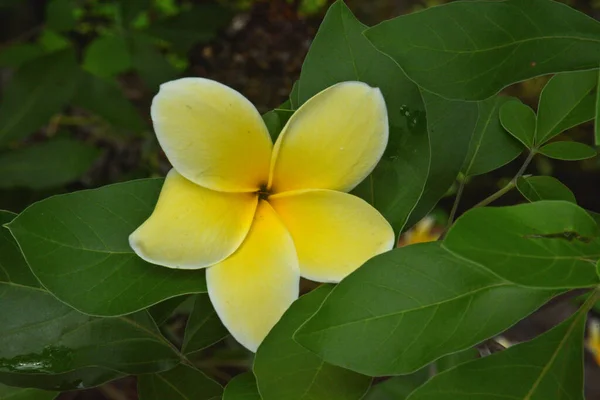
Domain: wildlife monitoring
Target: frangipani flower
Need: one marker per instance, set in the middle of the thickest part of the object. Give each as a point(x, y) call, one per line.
point(259, 216)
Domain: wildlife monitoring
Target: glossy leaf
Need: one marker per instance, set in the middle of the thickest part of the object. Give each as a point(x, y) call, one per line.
point(77, 245)
point(60, 16)
point(471, 50)
point(107, 56)
point(398, 387)
point(340, 53)
point(13, 268)
point(522, 244)
point(104, 98)
point(38, 90)
point(150, 63)
point(547, 367)
point(204, 328)
point(408, 307)
point(179, 383)
point(491, 146)
point(570, 151)
point(198, 24)
point(46, 165)
point(286, 370)
point(538, 188)
point(13, 393)
point(561, 95)
point(519, 120)
point(242, 387)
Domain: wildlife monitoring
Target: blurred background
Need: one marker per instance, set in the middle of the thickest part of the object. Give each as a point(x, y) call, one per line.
point(77, 78)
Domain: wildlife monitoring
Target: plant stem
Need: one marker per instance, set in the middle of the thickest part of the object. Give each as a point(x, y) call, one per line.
point(510, 185)
point(459, 192)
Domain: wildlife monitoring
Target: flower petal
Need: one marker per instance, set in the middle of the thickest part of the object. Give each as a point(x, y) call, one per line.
point(193, 227)
point(334, 232)
point(252, 289)
point(333, 141)
point(212, 135)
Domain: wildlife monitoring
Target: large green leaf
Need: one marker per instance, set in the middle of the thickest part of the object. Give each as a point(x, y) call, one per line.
point(242, 387)
point(162, 311)
point(150, 63)
point(46, 165)
point(77, 246)
point(563, 94)
point(340, 53)
point(473, 49)
point(519, 120)
point(13, 268)
point(287, 371)
point(398, 387)
point(491, 146)
point(107, 56)
point(13, 393)
point(17, 54)
point(550, 244)
point(537, 188)
point(549, 367)
point(569, 151)
point(104, 98)
point(180, 383)
point(38, 90)
point(204, 328)
point(597, 112)
point(406, 308)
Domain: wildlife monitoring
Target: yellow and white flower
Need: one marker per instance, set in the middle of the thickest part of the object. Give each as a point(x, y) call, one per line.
point(259, 216)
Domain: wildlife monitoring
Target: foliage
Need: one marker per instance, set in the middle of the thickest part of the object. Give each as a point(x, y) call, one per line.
point(79, 308)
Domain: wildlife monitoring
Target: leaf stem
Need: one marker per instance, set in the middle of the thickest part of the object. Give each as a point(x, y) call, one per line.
point(459, 192)
point(510, 185)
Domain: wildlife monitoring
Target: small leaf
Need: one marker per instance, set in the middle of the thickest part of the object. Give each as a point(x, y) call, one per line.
point(276, 120)
point(519, 120)
point(38, 90)
point(538, 188)
point(77, 245)
point(13, 393)
point(179, 383)
point(60, 16)
point(294, 100)
point(398, 387)
point(150, 63)
point(491, 146)
point(471, 50)
point(547, 367)
point(46, 165)
point(204, 328)
point(561, 95)
point(546, 244)
point(569, 151)
point(104, 98)
point(131, 9)
point(13, 268)
point(242, 387)
point(286, 370)
point(107, 56)
point(410, 306)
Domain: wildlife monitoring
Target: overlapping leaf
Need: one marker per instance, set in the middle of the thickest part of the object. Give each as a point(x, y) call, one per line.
point(180, 383)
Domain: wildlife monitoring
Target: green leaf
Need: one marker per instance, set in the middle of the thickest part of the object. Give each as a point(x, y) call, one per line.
point(104, 98)
point(450, 125)
point(491, 146)
point(242, 387)
point(454, 359)
point(46, 165)
point(204, 328)
point(162, 311)
point(13, 393)
point(410, 306)
point(546, 368)
point(52, 346)
point(13, 268)
point(77, 245)
point(340, 53)
point(16, 55)
point(52, 41)
point(561, 95)
point(570, 151)
point(597, 112)
point(598, 268)
point(276, 120)
point(538, 188)
point(547, 244)
point(583, 112)
point(60, 15)
point(198, 24)
point(107, 56)
point(398, 387)
point(130, 9)
point(151, 64)
point(180, 383)
point(294, 100)
point(38, 90)
point(519, 120)
point(286, 370)
point(471, 50)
